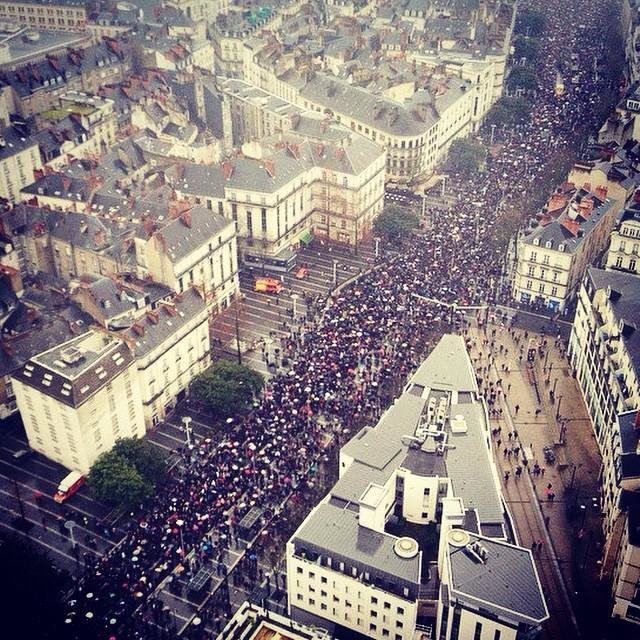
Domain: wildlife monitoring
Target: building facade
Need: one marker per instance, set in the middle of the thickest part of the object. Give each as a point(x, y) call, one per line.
point(171, 346)
point(552, 257)
point(604, 351)
point(624, 247)
point(78, 398)
point(198, 247)
point(59, 15)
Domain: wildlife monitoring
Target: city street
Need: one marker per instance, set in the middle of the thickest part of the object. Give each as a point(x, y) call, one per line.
point(533, 404)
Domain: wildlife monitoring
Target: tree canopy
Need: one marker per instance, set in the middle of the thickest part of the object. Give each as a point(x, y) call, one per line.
point(465, 156)
point(395, 223)
point(524, 47)
point(33, 597)
point(227, 387)
point(128, 474)
point(530, 22)
point(522, 77)
point(509, 111)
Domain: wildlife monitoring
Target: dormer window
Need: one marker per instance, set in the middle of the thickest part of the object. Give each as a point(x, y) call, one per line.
point(561, 247)
point(536, 241)
point(548, 244)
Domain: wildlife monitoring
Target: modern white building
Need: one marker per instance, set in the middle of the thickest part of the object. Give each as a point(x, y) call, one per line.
point(78, 398)
point(568, 236)
point(604, 351)
point(409, 538)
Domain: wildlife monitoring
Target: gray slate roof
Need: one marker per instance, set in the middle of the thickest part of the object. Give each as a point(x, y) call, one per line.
point(337, 530)
point(506, 583)
point(181, 239)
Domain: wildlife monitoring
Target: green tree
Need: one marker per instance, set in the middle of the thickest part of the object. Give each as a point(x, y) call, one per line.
point(509, 111)
point(524, 47)
point(465, 156)
point(522, 78)
point(395, 223)
point(33, 595)
point(143, 457)
point(227, 387)
point(530, 22)
point(113, 480)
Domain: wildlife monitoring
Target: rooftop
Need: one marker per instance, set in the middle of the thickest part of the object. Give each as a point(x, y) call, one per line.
point(74, 371)
point(498, 576)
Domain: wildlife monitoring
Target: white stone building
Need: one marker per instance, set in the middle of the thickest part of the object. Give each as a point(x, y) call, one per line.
point(604, 352)
point(19, 158)
point(171, 346)
point(552, 257)
point(624, 247)
point(196, 247)
point(78, 398)
point(406, 539)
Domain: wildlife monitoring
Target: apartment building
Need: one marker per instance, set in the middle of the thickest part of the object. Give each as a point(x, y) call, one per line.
point(19, 159)
point(196, 247)
point(553, 255)
point(604, 351)
point(269, 201)
point(171, 346)
point(37, 87)
point(624, 247)
point(81, 126)
point(407, 539)
point(78, 398)
point(58, 15)
point(318, 178)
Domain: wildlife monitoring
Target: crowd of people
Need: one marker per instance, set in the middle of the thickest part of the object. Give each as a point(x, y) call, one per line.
point(344, 364)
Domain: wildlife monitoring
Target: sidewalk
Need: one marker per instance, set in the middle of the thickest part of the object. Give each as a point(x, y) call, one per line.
point(556, 504)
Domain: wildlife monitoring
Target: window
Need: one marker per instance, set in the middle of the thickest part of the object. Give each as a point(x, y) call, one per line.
point(554, 291)
point(619, 262)
point(632, 265)
point(496, 634)
point(264, 220)
point(387, 605)
point(534, 256)
point(532, 270)
point(541, 287)
point(477, 634)
point(529, 284)
point(374, 600)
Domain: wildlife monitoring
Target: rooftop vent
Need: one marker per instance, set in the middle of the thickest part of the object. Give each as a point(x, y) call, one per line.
point(458, 424)
point(71, 355)
point(406, 548)
point(458, 538)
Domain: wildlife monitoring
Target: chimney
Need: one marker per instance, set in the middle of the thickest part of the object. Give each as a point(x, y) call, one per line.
point(601, 192)
point(270, 168)
point(138, 329)
point(186, 219)
point(227, 170)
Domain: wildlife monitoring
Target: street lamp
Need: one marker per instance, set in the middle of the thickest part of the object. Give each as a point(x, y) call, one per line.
point(558, 409)
point(186, 421)
point(179, 524)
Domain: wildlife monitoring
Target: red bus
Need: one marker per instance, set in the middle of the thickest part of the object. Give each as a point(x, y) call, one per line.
point(69, 485)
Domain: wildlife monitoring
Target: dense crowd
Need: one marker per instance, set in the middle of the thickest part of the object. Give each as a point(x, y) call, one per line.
point(371, 334)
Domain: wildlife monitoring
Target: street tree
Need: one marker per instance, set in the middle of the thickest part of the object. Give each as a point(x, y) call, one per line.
point(116, 482)
point(465, 156)
point(509, 111)
point(143, 457)
point(227, 388)
point(522, 77)
point(530, 22)
point(395, 223)
point(524, 47)
point(33, 594)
